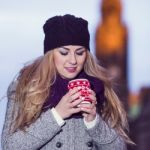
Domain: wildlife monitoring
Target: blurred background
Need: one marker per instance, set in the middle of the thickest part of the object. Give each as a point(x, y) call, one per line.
point(120, 33)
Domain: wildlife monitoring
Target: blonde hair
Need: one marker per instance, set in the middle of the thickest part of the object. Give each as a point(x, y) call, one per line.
point(33, 87)
point(113, 111)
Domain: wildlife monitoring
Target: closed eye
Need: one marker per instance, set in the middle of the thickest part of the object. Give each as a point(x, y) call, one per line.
point(80, 52)
point(64, 53)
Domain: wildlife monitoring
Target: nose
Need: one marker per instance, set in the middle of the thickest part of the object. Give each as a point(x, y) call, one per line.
point(72, 59)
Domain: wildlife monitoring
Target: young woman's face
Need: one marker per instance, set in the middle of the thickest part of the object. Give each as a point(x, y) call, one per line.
point(69, 60)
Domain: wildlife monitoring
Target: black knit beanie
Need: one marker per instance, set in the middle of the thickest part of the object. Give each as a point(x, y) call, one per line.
point(65, 30)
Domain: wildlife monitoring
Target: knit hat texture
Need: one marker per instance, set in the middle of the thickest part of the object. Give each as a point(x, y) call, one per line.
point(65, 30)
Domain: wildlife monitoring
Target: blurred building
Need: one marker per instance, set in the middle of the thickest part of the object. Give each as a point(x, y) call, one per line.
point(111, 45)
point(139, 126)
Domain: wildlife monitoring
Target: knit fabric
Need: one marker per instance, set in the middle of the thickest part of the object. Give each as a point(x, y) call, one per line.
point(65, 30)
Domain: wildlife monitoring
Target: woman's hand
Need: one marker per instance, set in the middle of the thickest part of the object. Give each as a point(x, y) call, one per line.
point(89, 110)
point(68, 105)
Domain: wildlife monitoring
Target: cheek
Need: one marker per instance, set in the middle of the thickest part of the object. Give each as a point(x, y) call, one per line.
point(59, 65)
point(58, 61)
point(82, 60)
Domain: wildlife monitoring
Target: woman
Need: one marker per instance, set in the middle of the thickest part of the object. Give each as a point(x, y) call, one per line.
point(43, 114)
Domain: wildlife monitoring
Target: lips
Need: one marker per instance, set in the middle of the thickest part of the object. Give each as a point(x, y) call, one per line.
point(71, 69)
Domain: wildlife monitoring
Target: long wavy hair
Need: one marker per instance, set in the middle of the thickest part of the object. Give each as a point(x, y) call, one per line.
point(34, 85)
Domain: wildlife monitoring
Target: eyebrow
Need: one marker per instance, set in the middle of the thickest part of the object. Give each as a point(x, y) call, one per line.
point(76, 49)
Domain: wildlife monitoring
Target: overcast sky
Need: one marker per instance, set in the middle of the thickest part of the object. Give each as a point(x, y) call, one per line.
point(21, 35)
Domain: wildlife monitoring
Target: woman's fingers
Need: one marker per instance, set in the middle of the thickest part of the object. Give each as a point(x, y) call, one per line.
point(75, 110)
point(89, 110)
point(87, 107)
point(71, 103)
point(93, 98)
point(73, 91)
point(75, 94)
point(76, 102)
point(74, 97)
point(91, 92)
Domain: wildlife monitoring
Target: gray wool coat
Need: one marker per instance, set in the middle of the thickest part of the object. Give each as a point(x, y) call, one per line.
point(46, 134)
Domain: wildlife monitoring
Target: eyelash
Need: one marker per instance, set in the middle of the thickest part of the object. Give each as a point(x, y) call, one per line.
point(65, 53)
point(80, 53)
point(62, 53)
